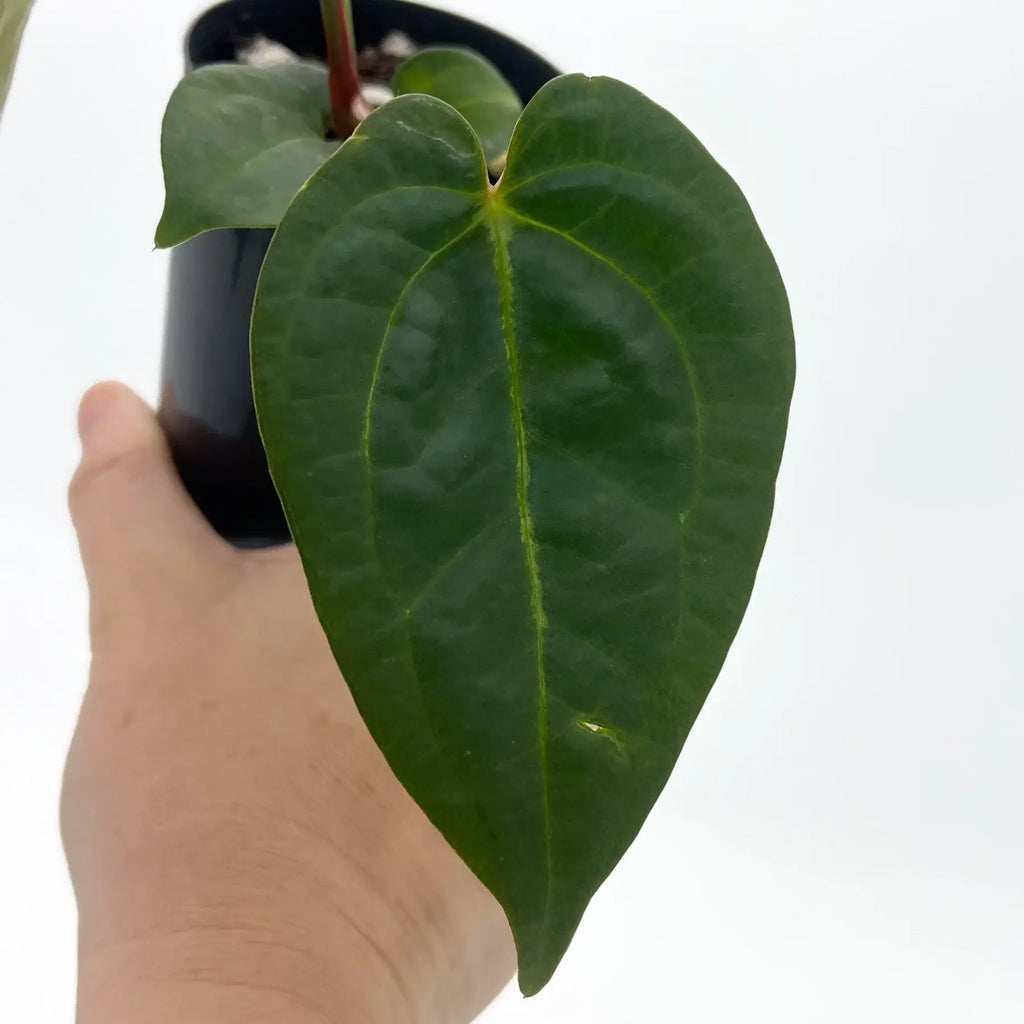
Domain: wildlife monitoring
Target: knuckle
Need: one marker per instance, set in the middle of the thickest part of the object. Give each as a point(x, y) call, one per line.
point(128, 467)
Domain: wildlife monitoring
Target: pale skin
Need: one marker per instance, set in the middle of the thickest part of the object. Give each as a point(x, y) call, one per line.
point(239, 849)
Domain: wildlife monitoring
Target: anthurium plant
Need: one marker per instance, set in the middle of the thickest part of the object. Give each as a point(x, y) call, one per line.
point(522, 378)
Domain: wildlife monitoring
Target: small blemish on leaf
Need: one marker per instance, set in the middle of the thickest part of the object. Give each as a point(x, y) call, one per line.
point(598, 729)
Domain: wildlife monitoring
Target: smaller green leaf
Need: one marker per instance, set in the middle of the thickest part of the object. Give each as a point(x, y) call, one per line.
point(473, 86)
point(13, 17)
point(238, 144)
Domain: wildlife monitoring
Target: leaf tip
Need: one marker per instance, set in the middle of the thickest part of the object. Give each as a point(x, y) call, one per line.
point(540, 947)
point(534, 974)
point(161, 239)
point(167, 235)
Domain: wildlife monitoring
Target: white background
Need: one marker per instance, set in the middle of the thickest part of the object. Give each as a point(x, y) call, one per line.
point(843, 840)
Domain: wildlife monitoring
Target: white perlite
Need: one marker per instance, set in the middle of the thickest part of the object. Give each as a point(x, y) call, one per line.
point(398, 46)
point(376, 94)
point(261, 52)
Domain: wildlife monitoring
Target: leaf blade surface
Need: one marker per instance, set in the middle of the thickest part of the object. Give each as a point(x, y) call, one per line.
point(527, 441)
point(472, 85)
point(238, 143)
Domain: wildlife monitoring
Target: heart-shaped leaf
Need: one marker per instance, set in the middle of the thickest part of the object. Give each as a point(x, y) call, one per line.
point(238, 143)
point(527, 440)
point(13, 18)
point(472, 85)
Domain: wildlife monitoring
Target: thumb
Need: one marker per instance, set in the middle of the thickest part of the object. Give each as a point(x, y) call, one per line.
point(137, 527)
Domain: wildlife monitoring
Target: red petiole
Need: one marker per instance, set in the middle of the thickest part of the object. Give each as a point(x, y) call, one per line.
point(347, 104)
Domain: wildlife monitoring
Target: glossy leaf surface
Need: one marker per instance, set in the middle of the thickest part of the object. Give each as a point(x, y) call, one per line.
point(13, 18)
point(472, 85)
point(527, 440)
point(238, 143)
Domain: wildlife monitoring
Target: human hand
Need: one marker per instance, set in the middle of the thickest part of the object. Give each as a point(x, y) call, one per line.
point(238, 846)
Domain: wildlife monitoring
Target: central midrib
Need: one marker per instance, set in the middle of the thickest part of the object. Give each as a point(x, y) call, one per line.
point(499, 227)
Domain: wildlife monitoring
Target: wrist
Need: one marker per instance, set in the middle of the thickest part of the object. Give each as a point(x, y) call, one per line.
point(233, 928)
point(227, 975)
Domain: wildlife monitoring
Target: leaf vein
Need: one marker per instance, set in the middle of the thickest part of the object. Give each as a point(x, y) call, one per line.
point(503, 268)
point(620, 488)
point(450, 564)
point(564, 168)
point(684, 350)
point(402, 295)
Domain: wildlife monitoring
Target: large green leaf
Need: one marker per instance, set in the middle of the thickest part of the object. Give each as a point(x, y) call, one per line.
point(527, 439)
point(13, 17)
point(238, 143)
point(473, 86)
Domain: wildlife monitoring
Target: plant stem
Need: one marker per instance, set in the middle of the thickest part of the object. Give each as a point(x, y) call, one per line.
point(346, 97)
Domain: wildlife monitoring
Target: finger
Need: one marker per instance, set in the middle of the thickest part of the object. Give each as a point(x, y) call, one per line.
point(137, 527)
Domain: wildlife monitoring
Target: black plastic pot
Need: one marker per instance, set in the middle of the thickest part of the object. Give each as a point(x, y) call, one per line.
point(206, 406)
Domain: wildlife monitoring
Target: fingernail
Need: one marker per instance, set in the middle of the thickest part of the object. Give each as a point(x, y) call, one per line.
point(91, 413)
